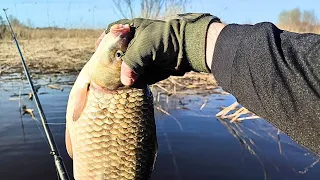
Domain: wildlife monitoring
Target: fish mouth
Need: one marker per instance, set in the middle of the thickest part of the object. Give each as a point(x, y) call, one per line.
point(105, 68)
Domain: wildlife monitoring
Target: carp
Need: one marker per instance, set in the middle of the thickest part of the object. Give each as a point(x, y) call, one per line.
point(110, 128)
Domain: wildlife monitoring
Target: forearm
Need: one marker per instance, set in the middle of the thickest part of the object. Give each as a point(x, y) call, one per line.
point(214, 30)
point(275, 74)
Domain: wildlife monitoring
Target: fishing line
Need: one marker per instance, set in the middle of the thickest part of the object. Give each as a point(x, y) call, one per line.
point(20, 110)
point(53, 147)
point(56, 123)
point(38, 125)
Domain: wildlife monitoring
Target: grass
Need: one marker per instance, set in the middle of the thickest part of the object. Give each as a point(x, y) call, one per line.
point(47, 55)
point(300, 28)
point(26, 33)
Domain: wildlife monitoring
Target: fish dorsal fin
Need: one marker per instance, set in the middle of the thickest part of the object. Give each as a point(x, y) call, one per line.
point(80, 101)
point(100, 39)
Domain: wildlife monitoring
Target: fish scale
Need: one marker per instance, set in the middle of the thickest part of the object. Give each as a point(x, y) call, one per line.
point(115, 136)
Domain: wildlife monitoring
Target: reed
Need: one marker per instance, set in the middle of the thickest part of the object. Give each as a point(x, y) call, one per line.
point(24, 32)
point(300, 28)
point(296, 20)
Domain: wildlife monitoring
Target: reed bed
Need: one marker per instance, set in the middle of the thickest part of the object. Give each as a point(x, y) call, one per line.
point(47, 55)
point(300, 28)
point(27, 33)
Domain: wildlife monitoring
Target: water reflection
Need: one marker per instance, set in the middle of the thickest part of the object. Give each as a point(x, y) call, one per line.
point(193, 143)
point(20, 111)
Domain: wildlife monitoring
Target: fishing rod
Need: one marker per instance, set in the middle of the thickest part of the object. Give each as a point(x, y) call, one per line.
point(53, 147)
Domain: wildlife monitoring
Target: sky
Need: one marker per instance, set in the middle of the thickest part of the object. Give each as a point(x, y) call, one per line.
point(99, 13)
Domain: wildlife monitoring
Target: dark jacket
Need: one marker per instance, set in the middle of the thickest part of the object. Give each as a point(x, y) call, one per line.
point(275, 74)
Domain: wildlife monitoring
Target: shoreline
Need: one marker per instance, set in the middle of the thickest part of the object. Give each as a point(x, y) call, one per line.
point(67, 56)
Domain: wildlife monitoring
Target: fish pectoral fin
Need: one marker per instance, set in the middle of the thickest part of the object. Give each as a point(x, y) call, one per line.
point(68, 143)
point(100, 39)
point(80, 101)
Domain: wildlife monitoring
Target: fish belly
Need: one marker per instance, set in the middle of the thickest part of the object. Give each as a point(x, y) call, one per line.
point(115, 136)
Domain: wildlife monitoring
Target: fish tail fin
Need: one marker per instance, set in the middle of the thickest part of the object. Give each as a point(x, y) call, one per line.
point(100, 39)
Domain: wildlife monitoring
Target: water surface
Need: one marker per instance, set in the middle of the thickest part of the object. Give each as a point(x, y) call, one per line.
point(193, 143)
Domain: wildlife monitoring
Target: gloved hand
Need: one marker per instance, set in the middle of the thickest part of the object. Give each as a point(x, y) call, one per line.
point(160, 49)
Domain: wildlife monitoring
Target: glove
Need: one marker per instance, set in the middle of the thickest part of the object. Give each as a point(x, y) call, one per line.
point(160, 49)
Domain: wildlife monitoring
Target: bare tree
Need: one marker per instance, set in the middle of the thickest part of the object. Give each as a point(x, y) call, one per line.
point(295, 20)
point(290, 17)
point(152, 9)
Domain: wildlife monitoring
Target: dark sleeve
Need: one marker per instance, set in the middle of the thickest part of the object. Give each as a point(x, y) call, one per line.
point(275, 74)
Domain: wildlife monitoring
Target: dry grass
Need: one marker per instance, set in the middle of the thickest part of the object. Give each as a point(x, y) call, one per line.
point(23, 32)
point(190, 83)
point(301, 28)
point(301, 21)
point(47, 55)
point(63, 54)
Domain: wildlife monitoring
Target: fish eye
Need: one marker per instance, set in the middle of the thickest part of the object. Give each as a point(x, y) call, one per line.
point(118, 54)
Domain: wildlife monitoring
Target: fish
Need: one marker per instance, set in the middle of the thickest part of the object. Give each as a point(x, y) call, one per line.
point(110, 128)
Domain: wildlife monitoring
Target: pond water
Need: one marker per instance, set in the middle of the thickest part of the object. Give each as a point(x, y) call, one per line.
point(193, 143)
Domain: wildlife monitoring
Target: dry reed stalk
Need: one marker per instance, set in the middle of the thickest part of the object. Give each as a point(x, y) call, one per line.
point(40, 33)
point(244, 141)
point(235, 117)
point(28, 111)
point(30, 97)
point(54, 86)
point(204, 104)
point(300, 28)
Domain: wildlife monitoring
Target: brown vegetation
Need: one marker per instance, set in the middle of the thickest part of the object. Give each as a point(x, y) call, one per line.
point(47, 55)
point(23, 31)
point(59, 50)
point(298, 21)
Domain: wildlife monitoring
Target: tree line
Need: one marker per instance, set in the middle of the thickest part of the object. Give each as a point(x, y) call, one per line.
point(299, 21)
